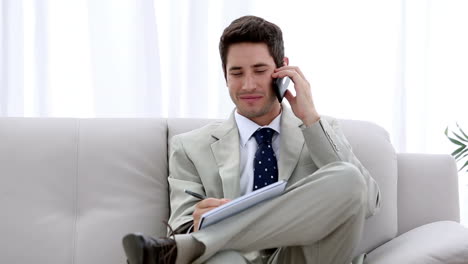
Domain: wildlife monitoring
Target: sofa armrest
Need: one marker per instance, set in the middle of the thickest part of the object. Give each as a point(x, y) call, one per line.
point(436, 243)
point(427, 190)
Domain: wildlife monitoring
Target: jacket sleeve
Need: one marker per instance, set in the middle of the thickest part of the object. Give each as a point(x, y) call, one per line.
point(328, 144)
point(182, 175)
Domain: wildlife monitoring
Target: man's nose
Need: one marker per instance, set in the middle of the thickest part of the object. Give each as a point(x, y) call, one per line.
point(249, 83)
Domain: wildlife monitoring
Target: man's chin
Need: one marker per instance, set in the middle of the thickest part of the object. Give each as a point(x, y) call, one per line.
point(252, 113)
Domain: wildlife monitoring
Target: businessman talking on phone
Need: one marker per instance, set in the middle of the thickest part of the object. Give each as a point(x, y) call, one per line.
point(329, 194)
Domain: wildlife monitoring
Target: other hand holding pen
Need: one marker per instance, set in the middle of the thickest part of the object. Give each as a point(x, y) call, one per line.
point(204, 206)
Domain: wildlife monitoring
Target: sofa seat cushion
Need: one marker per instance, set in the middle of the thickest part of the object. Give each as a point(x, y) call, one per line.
point(443, 242)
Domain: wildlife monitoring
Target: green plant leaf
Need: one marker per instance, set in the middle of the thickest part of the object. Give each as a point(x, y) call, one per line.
point(462, 157)
point(461, 130)
point(446, 131)
point(457, 151)
point(460, 153)
point(459, 137)
point(454, 141)
point(466, 164)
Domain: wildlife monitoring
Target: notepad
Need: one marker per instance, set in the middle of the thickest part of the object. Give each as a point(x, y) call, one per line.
point(242, 203)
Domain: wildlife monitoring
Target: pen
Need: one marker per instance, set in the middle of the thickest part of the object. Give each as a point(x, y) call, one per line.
point(196, 195)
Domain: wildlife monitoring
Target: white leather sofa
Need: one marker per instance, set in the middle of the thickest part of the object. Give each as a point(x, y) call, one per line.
point(71, 188)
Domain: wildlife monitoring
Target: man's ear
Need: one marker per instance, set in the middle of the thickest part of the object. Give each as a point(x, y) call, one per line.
point(285, 61)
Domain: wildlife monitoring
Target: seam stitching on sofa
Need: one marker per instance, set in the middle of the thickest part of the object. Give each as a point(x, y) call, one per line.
point(168, 145)
point(75, 202)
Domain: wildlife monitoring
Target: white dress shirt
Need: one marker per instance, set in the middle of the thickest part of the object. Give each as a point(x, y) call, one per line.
point(248, 147)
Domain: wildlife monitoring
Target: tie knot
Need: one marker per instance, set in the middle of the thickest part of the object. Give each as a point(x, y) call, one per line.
point(264, 135)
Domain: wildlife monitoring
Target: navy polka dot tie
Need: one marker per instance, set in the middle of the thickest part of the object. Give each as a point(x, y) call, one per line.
point(265, 164)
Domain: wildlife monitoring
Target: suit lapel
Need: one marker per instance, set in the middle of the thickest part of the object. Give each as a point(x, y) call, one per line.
point(226, 153)
point(291, 143)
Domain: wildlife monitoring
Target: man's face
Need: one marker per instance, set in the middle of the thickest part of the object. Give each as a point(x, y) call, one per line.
point(248, 74)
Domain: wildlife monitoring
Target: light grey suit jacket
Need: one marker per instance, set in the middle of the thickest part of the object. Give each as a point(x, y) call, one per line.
point(206, 161)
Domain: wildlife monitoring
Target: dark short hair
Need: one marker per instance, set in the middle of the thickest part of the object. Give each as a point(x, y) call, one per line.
point(256, 30)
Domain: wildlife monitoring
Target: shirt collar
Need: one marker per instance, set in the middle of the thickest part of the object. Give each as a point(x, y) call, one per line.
point(247, 127)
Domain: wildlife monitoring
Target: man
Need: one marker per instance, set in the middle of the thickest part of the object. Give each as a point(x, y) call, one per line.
point(319, 218)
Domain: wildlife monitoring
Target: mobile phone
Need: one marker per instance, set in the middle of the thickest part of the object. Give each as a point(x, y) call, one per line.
point(280, 85)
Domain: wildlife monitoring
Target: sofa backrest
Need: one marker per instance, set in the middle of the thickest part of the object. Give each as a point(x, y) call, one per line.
point(427, 190)
point(372, 146)
point(71, 188)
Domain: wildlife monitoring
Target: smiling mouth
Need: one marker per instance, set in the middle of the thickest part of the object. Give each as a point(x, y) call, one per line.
point(250, 98)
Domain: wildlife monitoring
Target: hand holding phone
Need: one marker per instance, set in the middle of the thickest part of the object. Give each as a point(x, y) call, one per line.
point(302, 103)
point(280, 86)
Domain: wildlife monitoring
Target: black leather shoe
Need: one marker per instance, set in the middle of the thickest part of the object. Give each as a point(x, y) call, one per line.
point(141, 249)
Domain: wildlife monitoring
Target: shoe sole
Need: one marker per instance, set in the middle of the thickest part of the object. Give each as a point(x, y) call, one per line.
point(134, 245)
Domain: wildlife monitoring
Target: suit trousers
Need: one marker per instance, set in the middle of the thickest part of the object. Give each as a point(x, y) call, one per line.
point(319, 219)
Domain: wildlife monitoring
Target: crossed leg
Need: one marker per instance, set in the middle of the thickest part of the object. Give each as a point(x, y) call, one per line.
point(319, 219)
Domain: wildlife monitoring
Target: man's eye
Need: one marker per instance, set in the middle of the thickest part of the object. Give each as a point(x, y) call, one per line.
point(236, 73)
point(261, 71)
